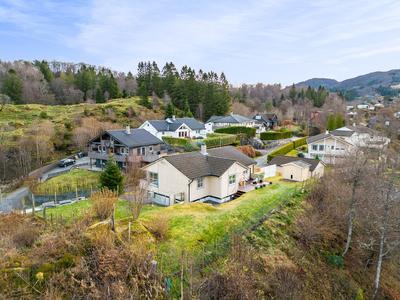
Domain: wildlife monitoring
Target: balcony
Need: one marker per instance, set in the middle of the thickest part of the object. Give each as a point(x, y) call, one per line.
point(149, 158)
point(102, 155)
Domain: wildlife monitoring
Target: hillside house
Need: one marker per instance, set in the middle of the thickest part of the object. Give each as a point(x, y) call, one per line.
point(175, 127)
point(269, 120)
point(296, 171)
point(194, 176)
point(127, 145)
point(227, 121)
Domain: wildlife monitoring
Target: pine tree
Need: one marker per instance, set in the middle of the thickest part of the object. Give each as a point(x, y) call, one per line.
point(144, 96)
point(12, 86)
point(99, 97)
point(113, 88)
point(268, 105)
point(169, 110)
point(188, 113)
point(45, 69)
point(330, 125)
point(112, 177)
point(339, 121)
point(282, 98)
point(274, 102)
point(347, 97)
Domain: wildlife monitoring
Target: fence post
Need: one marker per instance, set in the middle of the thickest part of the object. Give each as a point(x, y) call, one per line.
point(55, 198)
point(182, 275)
point(61, 220)
point(129, 234)
point(76, 193)
point(44, 213)
point(216, 248)
point(51, 218)
point(33, 204)
point(72, 216)
point(295, 188)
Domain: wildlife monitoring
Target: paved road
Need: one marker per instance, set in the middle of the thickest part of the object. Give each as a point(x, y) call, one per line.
point(263, 159)
point(14, 201)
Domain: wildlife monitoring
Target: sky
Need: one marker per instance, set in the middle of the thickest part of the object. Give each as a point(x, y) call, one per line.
point(250, 41)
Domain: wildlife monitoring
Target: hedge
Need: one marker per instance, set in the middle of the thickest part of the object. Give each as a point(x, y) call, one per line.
point(287, 148)
point(216, 140)
point(226, 139)
point(300, 142)
point(173, 141)
point(287, 134)
point(237, 130)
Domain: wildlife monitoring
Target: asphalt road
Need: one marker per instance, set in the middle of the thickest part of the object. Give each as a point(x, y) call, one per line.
point(14, 201)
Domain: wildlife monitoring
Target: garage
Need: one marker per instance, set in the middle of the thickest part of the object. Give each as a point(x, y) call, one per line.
point(296, 171)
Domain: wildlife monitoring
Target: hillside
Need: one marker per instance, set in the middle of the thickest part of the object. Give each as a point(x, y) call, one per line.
point(364, 84)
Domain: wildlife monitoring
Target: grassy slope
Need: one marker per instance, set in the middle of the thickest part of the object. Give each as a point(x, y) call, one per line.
point(189, 224)
point(22, 117)
point(83, 179)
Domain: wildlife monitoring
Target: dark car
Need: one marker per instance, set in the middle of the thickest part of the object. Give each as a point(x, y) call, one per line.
point(66, 162)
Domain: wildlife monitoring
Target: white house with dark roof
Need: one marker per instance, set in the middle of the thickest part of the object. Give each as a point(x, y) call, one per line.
point(227, 121)
point(269, 120)
point(127, 145)
point(175, 127)
point(195, 176)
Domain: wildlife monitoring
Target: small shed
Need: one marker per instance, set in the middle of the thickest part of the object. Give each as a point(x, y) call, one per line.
point(296, 171)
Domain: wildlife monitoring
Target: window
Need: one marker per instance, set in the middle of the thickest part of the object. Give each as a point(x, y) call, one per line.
point(341, 148)
point(151, 148)
point(112, 139)
point(104, 148)
point(337, 148)
point(232, 179)
point(143, 150)
point(122, 150)
point(163, 132)
point(197, 131)
point(258, 117)
point(153, 179)
point(315, 147)
point(321, 147)
point(332, 147)
point(200, 183)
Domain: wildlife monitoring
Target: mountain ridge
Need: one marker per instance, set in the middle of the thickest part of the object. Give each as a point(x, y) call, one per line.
point(364, 84)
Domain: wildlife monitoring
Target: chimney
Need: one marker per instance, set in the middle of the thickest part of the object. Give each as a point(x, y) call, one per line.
point(203, 149)
point(231, 113)
point(173, 117)
point(128, 129)
point(354, 124)
point(327, 132)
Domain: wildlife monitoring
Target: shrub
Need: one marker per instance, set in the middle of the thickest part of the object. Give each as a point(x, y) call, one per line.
point(335, 260)
point(282, 129)
point(25, 236)
point(223, 139)
point(159, 226)
point(236, 143)
point(287, 134)
point(103, 203)
point(259, 153)
point(237, 130)
point(43, 115)
point(281, 151)
point(248, 150)
point(296, 132)
point(175, 141)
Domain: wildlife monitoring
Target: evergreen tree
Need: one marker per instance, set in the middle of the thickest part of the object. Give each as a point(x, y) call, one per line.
point(330, 125)
point(274, 102)
point(144, 96)
point(292, 93)
point(99, 97)
point(282, 98)
point(112, 177)
point(188, 113)
point(339, 121)
point(113, 87)
point(347, 97)
point(169, 110)
point(268, 105)
point(45, 69)
point(12, 86)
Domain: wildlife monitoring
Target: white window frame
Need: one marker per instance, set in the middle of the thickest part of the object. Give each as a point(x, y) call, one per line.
point(153, 179)
point(150, 148)
point(321, 148)
point(314, 147)
point(232, 179)
point(122, 151)
point(143, 151)
point(200, 183)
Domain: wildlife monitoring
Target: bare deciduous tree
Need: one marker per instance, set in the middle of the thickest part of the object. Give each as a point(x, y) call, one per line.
point(136, 179)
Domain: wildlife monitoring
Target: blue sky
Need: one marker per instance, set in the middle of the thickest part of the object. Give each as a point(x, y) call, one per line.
point(251, 41)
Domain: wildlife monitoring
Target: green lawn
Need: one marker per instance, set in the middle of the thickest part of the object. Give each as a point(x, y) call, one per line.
point(191, 224)
point(82, 179)
point(294, 152)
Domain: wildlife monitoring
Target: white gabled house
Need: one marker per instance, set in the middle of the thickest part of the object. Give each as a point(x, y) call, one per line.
point(175, 127)
point(227, 121)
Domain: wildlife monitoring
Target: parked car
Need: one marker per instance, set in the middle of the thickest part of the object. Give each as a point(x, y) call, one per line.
point(66, 162)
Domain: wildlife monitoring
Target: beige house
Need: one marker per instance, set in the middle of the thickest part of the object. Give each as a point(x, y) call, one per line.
point(316, 169)
point(194, 176)
point(296, 171)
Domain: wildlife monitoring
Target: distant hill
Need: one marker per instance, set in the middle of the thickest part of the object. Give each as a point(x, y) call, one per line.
point(364, 84)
